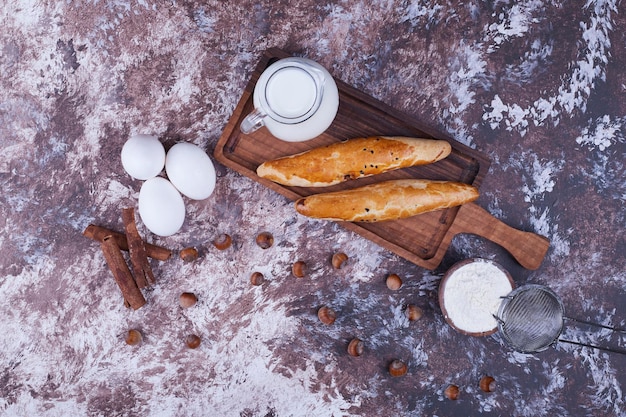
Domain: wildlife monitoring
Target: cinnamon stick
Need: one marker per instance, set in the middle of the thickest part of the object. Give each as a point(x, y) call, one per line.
point(98, 233)
point(138, 258)
point(121, 273)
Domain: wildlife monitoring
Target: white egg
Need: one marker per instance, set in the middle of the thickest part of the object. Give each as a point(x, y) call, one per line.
point(161, 207)
point(143, 156)
point(191, 171)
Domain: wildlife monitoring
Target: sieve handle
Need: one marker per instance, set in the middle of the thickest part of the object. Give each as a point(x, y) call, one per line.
point(529, 249)
point(607, 349)
point(590, 323)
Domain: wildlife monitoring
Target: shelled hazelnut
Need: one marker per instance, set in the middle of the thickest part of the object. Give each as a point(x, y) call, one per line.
point(487, 383)
point(338, 260)
point(188, 299)
point(257, 278)
point(134, 337)
point(192, 341)
point(298, 269)
point(189, 254)
point(223, 241)
point(397, 368)
point(326, 315)
point(355, 347)
point(414, 312)
point(265, 240)
point(394, 282)
point(451, 392)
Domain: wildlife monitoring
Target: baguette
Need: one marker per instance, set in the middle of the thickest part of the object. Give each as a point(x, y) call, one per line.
point(388, 200)
point(352, 159)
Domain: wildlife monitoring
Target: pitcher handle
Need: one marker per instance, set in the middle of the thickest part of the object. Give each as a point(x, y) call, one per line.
point(252, 122)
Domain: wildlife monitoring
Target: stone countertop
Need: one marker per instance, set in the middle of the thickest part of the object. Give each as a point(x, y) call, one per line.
point(537, 86)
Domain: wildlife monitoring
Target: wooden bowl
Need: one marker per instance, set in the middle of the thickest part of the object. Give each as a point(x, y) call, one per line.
point(453, 275)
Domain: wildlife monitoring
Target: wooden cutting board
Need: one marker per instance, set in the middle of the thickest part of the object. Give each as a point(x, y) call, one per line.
point(421, 239)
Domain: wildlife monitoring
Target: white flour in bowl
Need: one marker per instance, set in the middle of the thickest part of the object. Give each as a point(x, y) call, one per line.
point(472, 295)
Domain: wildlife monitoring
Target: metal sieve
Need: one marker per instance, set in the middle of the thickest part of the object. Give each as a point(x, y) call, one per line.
point(531, 319)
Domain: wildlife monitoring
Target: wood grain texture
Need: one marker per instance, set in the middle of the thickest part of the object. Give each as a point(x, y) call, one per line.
point(419, 239)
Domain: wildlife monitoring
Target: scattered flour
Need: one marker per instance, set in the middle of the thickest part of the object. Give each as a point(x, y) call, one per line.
point(472, 295)
point(576, 88)
point(602, 133)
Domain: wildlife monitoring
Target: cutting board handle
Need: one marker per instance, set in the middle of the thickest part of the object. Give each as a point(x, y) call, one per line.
point(529, 249)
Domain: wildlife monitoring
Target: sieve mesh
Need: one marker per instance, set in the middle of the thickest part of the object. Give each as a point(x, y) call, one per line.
point(530, 318)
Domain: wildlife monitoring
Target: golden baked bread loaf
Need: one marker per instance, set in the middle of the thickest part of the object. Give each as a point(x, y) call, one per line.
point(388, 200)
point(351, 159)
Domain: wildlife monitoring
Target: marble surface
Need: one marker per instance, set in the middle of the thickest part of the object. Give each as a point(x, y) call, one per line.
point(538, 86)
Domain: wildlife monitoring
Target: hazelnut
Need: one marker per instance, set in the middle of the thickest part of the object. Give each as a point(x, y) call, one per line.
point(192, 341)
point(326, 315)
point(394, 282)
point(257, 278)
point(223, 241)
point(298, 269)
point(397, 368)
point(487, 384)
point(189, 254)
point(134, 337)
point(265, 240)
point(188, 299)
point(414, 312)
point(338, 259)
point(355, 347)
point(452, 392)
